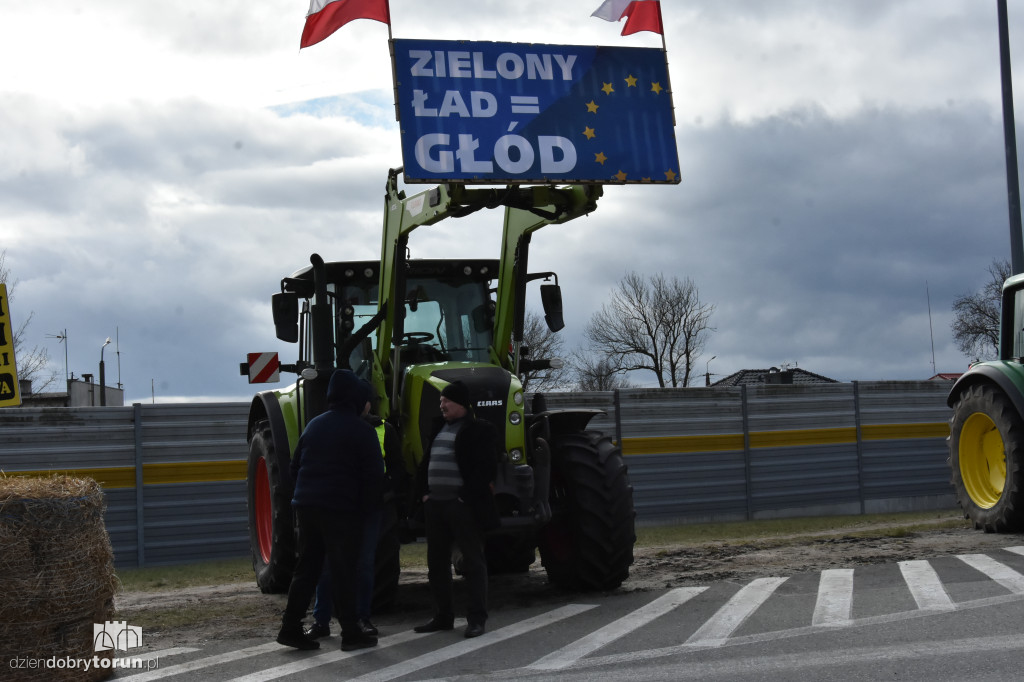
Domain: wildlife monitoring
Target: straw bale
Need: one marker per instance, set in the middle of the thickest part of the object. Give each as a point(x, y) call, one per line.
point(56, 577)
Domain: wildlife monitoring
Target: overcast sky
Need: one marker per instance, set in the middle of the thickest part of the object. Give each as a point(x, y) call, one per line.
point(163, 165)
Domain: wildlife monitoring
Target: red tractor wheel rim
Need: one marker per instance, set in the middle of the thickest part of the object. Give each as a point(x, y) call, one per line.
point(264, 511)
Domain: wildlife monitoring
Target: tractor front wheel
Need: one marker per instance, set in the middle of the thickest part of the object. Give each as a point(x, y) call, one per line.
point(588, 544)
point(271, 530)
point(986, 444)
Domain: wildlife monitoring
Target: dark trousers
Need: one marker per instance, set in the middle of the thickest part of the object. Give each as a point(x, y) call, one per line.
point(323, 533)
point(449, 524)
point(366, 572)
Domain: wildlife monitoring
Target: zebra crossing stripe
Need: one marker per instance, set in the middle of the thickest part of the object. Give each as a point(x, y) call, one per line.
point(1015, 550)
point(468, 645)
point(295, 667)
point(717, 629)
point(207, 662)
point(569, 655)
point(925, 586)
point(1001, 573)
point(835, 598)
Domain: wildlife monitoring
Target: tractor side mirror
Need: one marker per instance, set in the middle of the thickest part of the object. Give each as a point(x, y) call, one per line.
point(286, 316)
point(551, 300)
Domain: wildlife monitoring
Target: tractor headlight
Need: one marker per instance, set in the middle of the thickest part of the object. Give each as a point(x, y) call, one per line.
point(515, 418)
point(518, 398)
point(516, 455)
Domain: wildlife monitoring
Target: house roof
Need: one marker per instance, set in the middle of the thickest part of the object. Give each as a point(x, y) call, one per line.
point(773, 375)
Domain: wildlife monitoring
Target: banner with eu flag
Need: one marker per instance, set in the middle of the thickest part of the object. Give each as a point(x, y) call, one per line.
point(499, 113)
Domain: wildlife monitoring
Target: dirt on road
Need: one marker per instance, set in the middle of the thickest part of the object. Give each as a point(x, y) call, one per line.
point(238, 610)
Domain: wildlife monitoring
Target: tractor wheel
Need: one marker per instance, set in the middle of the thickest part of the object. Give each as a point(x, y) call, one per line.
point(588, 544)
point(271, 530)
point(386, 562)
point(986, 444)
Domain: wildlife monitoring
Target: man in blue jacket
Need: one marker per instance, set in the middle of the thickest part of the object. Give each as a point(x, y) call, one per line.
point(339, 475)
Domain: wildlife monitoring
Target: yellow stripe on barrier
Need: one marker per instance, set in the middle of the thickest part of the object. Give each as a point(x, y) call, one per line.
point(781, 439)
point(107, 477)
point(154, 474)
point(194, 472)
point(659, 445)
point(668, 445)
point(898, 431)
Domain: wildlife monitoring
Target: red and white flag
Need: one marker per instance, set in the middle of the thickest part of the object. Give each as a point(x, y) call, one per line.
point(642, 15)
point(327, 16)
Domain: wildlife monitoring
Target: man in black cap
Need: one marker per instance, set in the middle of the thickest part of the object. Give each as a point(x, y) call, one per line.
point(454, 483)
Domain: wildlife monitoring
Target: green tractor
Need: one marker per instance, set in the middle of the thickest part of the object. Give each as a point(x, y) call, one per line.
point(986, 435)
point(410, 327)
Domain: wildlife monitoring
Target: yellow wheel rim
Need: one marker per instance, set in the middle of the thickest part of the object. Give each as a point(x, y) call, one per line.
point(982, 460)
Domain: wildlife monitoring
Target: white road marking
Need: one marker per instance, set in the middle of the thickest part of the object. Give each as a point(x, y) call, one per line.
point(1001, 573)
point(227, 657)
point(334, 656)
point(468, 645)
point(925, 586)
point(721, 625)
point(568, 655)
point(835, 598)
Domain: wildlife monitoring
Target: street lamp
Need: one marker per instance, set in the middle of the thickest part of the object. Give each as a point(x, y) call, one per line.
point(103, 375)
point(707, 372)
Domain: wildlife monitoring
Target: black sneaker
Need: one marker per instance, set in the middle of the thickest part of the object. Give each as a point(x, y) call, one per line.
point(360, 641)
point(295, 637)
point(316, 631)
point(366, 627)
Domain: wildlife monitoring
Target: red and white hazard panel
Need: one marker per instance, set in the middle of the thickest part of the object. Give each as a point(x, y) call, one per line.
point(264, 368)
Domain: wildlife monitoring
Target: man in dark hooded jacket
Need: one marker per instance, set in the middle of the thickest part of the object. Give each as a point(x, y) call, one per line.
point(338, 473)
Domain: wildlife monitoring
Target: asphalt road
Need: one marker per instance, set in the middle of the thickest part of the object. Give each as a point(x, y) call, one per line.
point(957, 617)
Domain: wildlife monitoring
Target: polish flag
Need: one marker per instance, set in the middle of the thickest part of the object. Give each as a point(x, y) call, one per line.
point(643, 15)
point(327, 16)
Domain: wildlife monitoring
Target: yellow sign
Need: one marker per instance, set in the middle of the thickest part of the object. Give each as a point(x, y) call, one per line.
point(10, 394)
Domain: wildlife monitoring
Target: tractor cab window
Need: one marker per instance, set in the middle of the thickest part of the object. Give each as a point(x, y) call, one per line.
point(1018, 323)
point(446, 319)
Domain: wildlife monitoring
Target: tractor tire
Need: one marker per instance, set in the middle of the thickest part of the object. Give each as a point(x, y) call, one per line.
point(986, 446)
point(588, 544)
point(387, 566)
point(271, 525)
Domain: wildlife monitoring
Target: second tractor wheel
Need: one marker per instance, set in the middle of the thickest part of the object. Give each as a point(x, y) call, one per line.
point(588, 544)
point(986, 445)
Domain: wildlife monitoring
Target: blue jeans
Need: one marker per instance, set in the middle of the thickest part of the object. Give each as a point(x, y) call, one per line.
point(365, 572)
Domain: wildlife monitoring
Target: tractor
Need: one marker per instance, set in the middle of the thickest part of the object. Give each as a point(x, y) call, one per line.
point(412, 326)
point(986, 439)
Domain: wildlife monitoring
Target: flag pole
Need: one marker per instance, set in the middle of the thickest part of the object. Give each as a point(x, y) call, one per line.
point(664, 51)
point(394, 72)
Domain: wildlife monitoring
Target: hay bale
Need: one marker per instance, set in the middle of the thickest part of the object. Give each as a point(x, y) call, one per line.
point(56, 578)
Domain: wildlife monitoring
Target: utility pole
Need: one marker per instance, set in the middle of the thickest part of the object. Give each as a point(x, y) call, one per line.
point(1010, 142)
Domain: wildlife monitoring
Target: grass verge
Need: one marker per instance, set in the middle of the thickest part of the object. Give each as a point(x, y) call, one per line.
point(414, 555)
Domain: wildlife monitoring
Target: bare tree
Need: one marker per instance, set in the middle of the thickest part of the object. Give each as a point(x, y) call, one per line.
point(34, 363)
point(543, 344)
point(976, 316)
point(657, 324)
point(594, 373)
